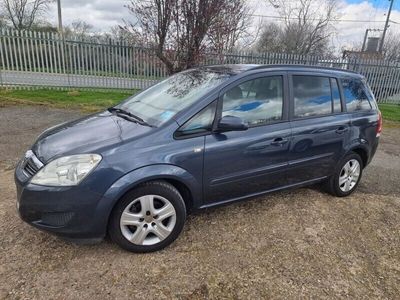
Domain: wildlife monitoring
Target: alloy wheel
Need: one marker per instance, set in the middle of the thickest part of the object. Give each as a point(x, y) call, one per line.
point(349, 175)
point(148, 220)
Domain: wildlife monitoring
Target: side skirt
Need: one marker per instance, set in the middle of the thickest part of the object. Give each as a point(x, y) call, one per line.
point(295, 185)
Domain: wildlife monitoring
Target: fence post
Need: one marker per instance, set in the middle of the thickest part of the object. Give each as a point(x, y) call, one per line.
point(65, 68)
point(1, 75)
point(2, 57)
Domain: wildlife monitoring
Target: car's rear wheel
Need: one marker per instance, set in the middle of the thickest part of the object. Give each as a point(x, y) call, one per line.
point(148, 218)
point(346, 177)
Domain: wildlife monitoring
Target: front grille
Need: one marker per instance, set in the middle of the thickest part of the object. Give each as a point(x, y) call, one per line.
point(56, 219)
point(30, 168)
point(31, 164)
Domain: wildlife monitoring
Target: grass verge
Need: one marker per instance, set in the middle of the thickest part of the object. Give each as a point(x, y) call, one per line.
point(75, 99)
point(97, 100)
point(390, 112)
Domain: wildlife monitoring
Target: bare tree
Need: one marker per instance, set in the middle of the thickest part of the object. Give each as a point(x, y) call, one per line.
point(3, 22)
point(22, 14)
point(181, 30)
point(306, 26)
point(119, 33)
point(78, 29)
point(270, 38)
point(232, 24)
point(391, 48)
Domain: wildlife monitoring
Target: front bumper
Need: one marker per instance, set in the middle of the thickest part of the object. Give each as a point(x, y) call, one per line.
point(70, 212)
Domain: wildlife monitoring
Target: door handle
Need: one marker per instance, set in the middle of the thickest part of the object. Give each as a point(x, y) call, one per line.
point(279, 141)
point(341, 130)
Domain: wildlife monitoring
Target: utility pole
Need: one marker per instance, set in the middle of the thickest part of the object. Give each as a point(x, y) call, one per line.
point(386, 26)
point(365, 40)
point(60, 26)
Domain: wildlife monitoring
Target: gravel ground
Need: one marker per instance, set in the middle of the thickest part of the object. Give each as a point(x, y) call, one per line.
point(301, 243)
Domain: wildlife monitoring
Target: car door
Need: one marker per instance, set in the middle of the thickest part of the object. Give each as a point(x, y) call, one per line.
point(320, 127)
point(243, 163)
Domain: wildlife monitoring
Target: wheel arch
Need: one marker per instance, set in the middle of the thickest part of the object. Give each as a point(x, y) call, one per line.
point(187, 185)
point(362, 152)
point(183, 189)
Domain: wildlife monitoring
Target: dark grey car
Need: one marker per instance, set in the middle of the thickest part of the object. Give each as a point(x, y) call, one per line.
point(200, 138)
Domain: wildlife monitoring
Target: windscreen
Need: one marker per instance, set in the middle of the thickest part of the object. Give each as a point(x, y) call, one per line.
point(161, 102)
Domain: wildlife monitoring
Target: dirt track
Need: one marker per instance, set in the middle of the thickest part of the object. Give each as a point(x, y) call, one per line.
point(301, 243)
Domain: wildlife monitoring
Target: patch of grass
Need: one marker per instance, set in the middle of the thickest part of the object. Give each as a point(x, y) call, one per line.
point(81, 99)
point(98, 100)
point(390, 112)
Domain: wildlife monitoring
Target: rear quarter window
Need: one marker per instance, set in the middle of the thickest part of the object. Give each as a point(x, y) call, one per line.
point(355, 95)
point(370, 94)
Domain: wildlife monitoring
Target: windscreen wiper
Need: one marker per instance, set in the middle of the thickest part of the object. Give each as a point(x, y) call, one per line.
point(124, 112)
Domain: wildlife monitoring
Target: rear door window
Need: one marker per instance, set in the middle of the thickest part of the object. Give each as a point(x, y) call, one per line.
point(355, 95)
point(312, 96)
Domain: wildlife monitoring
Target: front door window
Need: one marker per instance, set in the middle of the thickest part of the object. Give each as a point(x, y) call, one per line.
point(256, 102)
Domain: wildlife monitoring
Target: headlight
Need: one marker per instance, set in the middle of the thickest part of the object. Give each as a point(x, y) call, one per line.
point(67, 171)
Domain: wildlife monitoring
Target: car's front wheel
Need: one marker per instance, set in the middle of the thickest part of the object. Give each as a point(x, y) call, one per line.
point(148, 218)
point(347, 176)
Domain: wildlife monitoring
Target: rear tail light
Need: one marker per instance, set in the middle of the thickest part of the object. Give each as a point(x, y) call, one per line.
point(379, 126)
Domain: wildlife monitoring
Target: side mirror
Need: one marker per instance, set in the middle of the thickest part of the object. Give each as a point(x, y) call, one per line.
point(231, 123)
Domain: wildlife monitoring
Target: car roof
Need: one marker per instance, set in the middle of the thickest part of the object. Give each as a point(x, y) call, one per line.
point(230, 68)
point(235, 69)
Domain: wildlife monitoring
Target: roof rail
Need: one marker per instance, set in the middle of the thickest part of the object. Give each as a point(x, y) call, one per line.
point(301, 66)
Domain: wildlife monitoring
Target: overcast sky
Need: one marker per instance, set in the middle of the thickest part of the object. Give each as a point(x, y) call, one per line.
point(103, 14)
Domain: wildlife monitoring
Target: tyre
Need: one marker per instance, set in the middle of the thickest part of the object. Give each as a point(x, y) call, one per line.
point(148, 218)
point(346, 177)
